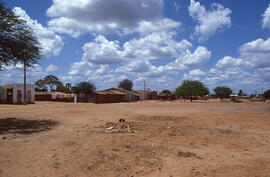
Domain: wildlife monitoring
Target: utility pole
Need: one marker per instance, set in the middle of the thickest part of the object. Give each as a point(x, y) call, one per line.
point(144, 90)
point(24, 82)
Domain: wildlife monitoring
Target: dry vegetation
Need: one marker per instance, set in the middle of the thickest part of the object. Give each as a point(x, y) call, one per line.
point(156, 138)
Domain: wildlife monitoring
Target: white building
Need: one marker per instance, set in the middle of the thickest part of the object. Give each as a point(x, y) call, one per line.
point(15, 93)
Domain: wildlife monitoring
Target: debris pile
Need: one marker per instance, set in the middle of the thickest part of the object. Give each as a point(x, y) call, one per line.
point(185, 154)
point(121, 127)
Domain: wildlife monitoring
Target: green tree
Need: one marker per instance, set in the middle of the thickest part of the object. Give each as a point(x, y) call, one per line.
point(267, 94)
point(52, 81)
point(68, 87)
point(222, 92)
point(240, 93)
point(60, 88)
point(8, 25)
point(166, 91)
point(84, 88)
point(17, 42)
point(126, 84)
point(40, 85)
point(192, 88)
point(75, 89)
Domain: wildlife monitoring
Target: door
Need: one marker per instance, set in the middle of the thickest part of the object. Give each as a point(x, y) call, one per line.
point(28, 96)
point(19, 96)
point(9, 96)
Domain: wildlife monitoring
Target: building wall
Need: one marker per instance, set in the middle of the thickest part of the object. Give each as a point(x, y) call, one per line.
point(20, 87)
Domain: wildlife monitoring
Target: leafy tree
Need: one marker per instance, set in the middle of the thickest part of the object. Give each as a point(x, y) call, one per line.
point(68, 87)
point(8, 22)
point(60, 88)
point(84, 88)
point(222, 92)
point(40, 85)
point(240, 93)
point(17, 42)
point(166, 91)
point(52, 81)
point(75, 89)
point(191, 88)
point(126, 84)
point(267, 94)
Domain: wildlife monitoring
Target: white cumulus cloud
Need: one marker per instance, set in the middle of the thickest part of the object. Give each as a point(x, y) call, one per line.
point(14, 74)
point(51, 43)
point(218, 17)
point(153, 46)
point(196, 72)
point(51, 68)
point(256, 52)
point(229, 61)
point(102, 51)
point(266, 18)
point(76, 17)
point(197, 58)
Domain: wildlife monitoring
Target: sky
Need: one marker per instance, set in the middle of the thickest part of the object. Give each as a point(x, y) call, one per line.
point(218, 42)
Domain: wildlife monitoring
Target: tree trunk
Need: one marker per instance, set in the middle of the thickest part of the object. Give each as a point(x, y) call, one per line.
point(24, 82)
point(191, 99)
point(51, 87)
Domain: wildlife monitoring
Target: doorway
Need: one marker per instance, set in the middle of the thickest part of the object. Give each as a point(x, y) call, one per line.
point(19, 96)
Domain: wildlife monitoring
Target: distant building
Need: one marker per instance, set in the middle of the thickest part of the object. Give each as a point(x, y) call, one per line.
point(234, 97)
point(147, 95)
point(167, 96)
point(108, 97)
point(15, 93)
point(130, 95)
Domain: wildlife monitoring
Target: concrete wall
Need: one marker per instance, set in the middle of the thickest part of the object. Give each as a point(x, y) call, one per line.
point(20, 87)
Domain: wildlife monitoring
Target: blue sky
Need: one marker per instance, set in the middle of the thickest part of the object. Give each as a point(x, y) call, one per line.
point(221, 43)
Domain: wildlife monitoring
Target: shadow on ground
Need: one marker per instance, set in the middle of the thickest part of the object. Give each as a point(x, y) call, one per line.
point(23, 126)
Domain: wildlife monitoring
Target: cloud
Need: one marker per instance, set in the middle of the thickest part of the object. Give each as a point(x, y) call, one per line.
point(177, 7)
point(51, 43)
point(229, 61)
point(102, 51)
point(256, 52)
point(51, 68)
point(157, 45)
point(238, 78)
point(249, 72)
point(153, 46)
point(101, 17)
point(137, 66)
point(197, 58)
point(14, 74)
point(196, 72)
point(160, 25)
point(266, 18)
point(209, 21)
point(82, 68)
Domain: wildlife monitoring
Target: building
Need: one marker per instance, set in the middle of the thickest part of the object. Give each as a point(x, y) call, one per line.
point(108, 97)
point(234, 97)
point(15, 93)
point(167, 96)
point(43, 96)
point(3, 95)
point(147, 95)
point(130, 95)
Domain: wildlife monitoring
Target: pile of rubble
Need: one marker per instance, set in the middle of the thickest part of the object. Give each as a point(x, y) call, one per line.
point(120, 127)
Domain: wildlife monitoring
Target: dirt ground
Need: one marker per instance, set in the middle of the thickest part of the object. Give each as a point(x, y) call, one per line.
point(171, 139)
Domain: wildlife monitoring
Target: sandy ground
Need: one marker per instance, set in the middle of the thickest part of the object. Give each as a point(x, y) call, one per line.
point(171, 139)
